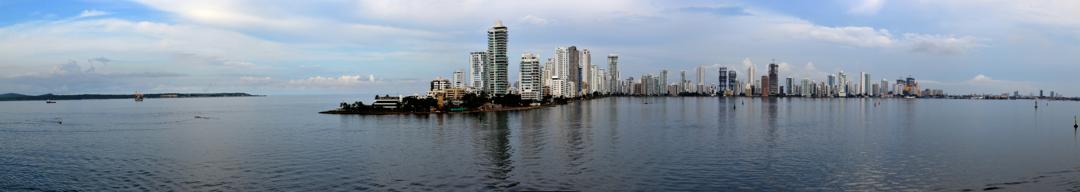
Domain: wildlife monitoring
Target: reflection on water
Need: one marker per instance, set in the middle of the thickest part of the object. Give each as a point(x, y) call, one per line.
point(610, 144)
point(494, 140)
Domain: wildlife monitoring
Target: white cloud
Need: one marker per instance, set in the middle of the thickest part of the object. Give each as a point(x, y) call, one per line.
point(92, 13)
point(197, 59)
point(980, 78)
point(453, 12)
point(534, 20)
point(941, 44)
point(71, 77)
point(851, 35)
point(869, 37)
point(866, 7)
point(342, 81)
point(304, 21)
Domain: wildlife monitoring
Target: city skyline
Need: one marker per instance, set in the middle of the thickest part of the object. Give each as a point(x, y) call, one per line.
point(151, 46)
point(567, 74)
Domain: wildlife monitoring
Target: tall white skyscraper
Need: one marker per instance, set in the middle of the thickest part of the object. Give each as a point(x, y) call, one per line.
point(663, 80)
point(700, 79)
point(496, 83)
point(477, 62)
point(750, 76)
point(531, 77)
point(865, 84)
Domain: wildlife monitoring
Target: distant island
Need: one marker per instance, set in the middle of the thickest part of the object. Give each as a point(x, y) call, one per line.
point(21, 97)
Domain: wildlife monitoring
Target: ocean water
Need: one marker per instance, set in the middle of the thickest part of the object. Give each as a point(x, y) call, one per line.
point(281, 143)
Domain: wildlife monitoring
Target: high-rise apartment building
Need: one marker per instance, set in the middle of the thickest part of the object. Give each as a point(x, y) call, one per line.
point(733, 83)
point(700, 80)
point(722, 79)
point(586, 71)
point(865, 88)
point(613, 72)
point(496, 82)
point(663, 78)
point(774, 79)
point(477, 62)
point(765, 85)
point(841, 84)
point(789, 86)
point(530, 85)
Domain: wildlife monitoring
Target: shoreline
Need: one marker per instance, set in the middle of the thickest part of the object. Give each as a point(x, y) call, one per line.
point(343, 112)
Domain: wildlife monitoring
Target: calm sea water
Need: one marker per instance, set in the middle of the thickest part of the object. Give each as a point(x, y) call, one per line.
point(280, 143)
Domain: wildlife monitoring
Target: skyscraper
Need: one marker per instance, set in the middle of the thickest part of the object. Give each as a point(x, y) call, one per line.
point(568, 70)
point(574, 69)
point(530, 83)
point(765, 85)
point(732, 82)
point(682, 82)
point(789, 86)
point(884, 87)
point(774, 79)
point(477, 63)
point(586, 71)
point(546, 74)
point(865, 87)
point(663, 79)
point(613, 71)
point(602, 80)
point(700, 79)
point(722, 79)
point(750, 81)
point(496, 82)
point(841, 84)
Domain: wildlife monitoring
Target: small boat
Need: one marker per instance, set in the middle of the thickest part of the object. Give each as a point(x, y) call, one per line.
point(138, 97)
point(50, 101)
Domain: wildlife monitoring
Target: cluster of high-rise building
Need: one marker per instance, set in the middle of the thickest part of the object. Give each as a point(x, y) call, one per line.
point(834, 85)
point(570, 73)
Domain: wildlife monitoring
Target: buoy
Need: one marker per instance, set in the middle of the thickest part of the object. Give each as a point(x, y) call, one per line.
point(1074, 123)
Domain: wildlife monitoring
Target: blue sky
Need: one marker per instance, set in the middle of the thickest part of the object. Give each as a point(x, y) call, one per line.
point(395, 46)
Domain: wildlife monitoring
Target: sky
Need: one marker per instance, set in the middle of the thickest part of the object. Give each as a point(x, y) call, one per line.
point(397, 46)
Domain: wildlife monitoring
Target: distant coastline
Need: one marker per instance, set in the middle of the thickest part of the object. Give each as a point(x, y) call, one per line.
point(21, 97)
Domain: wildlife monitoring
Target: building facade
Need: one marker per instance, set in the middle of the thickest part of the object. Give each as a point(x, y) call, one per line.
point(477, 62)
point(531, 87)
point(613, 72)
point(496, 83)
point(774, 79)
